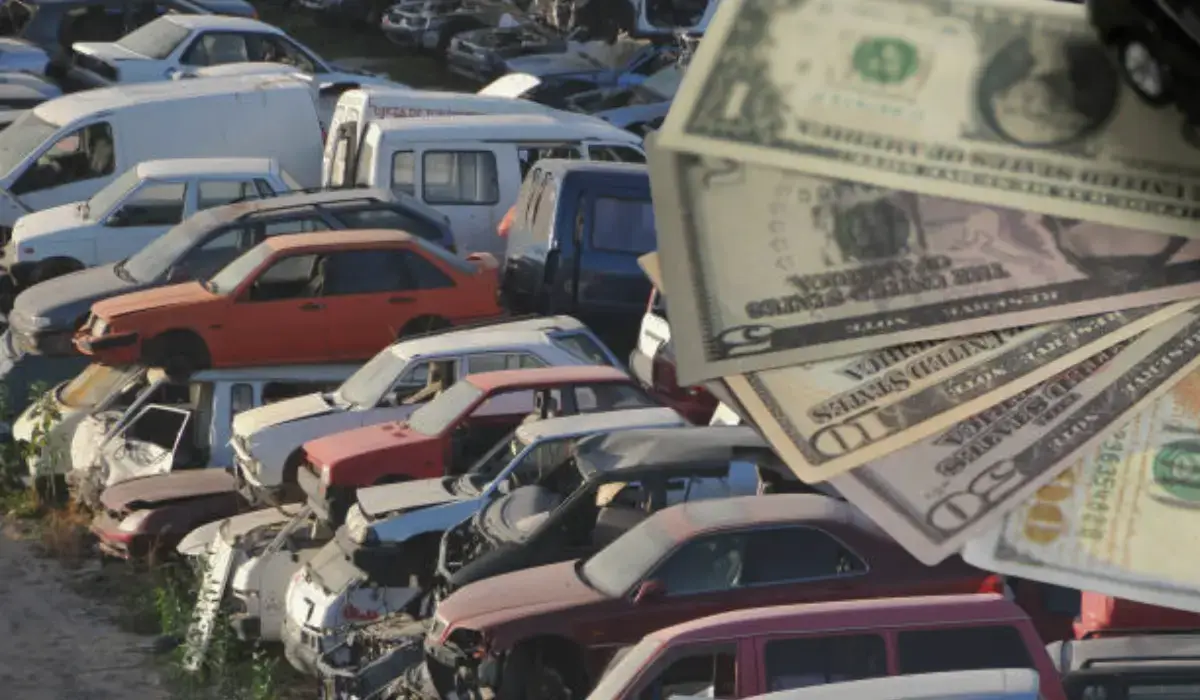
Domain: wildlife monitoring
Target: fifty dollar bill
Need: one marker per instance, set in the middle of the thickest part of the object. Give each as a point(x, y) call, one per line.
point(826, 417)
point(769, 268)
point(939, 493)
point(1010, 102)
point(1119, 521)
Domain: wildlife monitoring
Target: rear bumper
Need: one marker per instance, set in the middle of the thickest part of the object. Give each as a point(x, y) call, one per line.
point(114, 542)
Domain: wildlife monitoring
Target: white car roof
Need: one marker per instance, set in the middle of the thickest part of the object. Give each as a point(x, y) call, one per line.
point(226, 22)
point(317, 373)
point(186, 167)
point(504, 127)
point(516, 333)
point(599, 422)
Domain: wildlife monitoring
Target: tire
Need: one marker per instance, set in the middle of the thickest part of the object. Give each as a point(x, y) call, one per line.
point(423, 324)
point(53, 267)
point(179, 353)
point(1144, 72)
point(536, 672)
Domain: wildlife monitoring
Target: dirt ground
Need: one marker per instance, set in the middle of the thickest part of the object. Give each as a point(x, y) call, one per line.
point(56, 645)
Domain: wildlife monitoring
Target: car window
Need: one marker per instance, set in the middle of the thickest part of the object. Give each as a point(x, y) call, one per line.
point(616, 153)
point(281, 391)
point(308, 224)
point(380, 218)
point(404, 177)
point(581, 345)
point(271, 48)
point(155, 40)
point(961, 649)
point(367, 272)
point(153, 204)
point(809, 661)
point(292, 277)
point(705, 565)
point(541, 214)
point(217, 48)
point(824, 556)
point(498, 361)
point(708, 674)
point(265, 189)
point(422, 274)
point(459, 177)
point(214, 193)
point(610, 397)
point(84, 154)
point(213, 254)
point(623, 225)
point(241, 398)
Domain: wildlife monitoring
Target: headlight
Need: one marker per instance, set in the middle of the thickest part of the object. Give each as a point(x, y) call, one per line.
point(358, 527)
point(325, 477)
point(99, 327)
point(132, 522)
point(40, 322)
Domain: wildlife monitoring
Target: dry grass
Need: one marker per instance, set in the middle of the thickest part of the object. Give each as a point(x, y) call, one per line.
point(64, 534)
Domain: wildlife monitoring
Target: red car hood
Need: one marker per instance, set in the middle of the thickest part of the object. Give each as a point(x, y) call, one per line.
point(339, 447)
point(174, 295)
point(536, 591)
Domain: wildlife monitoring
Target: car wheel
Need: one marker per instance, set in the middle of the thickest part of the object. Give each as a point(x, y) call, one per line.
point(1144, 72)
point(179, 353)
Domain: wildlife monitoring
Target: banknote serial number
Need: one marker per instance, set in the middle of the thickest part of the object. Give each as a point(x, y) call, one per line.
point(1093, 521)
point(899, 278)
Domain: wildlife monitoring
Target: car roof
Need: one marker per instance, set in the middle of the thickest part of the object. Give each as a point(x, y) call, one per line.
point(657, 448)
point(468, 341)
point(226, 22)
point(69, 108)
point(515, 378)
point(563, 166)
point(1078, 654)
point(174, 167)
point(335, 239)
point(688, 520)
point(317, 372)
point(869, 612)
point(504, 127)
point(566, 426)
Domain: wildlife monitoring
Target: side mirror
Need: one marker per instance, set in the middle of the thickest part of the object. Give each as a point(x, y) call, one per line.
point(649, 590)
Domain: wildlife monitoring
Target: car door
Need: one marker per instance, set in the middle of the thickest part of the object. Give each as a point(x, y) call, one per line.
point(71, 169)
point(215, 48)
point(217, 191)
point(473, 183)
point(280, 315)
point(145, 214)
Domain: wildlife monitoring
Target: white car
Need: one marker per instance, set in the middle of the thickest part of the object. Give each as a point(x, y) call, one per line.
point(175, 43)
point(136, 208)
point(268, 440)
point(391, 536)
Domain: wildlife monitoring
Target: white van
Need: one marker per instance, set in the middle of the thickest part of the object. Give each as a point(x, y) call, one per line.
point(67, 149)
point(471, 167)
point(358, 108)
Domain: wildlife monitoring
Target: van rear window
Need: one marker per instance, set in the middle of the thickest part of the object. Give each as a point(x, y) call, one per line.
point(962, 649)
point(624, 225)
point(809, 661)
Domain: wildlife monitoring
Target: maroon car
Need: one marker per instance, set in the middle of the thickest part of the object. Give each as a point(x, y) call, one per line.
point(555, 627)
point(153, 513)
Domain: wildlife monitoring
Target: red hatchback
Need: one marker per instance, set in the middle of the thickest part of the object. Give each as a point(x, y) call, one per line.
point(559, 624)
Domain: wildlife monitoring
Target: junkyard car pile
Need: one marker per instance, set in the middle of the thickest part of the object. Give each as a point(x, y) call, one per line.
point(400, 391)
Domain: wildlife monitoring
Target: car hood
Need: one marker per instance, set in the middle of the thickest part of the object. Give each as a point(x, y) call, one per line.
point(352, 443)
point(149, 491)
point(198, 540)
point(175, 295)
point(512, 85)
point(377, 500)
point(539, 590)
point(248, 423)
point(108, 51)
point(554, 64)
point(66, 299)
point(54, 219)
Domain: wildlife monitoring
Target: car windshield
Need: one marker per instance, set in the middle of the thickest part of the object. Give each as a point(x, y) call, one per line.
point(664, 83)
point(230, 277)
point(22, 138)
point(434, 417)
point(366, 387)
point(153, 261)
point(483, 472)
point(615, 569)
point(107, 198)
point(94, 384)
point(156, 39)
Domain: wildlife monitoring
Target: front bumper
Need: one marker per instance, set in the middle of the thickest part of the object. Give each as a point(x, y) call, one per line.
point(115, 349)
point(52, 342)
point(402, 665)
point(114, 542)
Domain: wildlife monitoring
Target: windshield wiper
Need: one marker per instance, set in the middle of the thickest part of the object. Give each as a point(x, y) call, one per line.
point(122, 272)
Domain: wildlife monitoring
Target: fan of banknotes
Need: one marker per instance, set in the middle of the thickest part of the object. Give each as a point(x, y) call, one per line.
point(943, 258)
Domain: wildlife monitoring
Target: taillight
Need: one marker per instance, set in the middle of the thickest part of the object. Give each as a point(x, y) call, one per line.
point(992, 584)
point(506, 223)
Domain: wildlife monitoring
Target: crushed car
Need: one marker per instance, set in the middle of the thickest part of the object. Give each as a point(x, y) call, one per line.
point(392, 385)
point(429, 25)
point(383, 557)
point(482, 54)
point(448, 434)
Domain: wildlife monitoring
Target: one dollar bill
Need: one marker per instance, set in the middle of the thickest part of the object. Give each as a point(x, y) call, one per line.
point(769, 268)
point(938, 493)
point(1120, 520)
point(1010, 102)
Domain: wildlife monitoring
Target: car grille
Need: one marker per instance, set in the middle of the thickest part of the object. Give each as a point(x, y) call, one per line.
point(99, 66)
